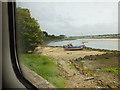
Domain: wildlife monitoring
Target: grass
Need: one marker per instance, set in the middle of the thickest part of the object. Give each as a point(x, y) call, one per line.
point(114, 70)
point(44, 67)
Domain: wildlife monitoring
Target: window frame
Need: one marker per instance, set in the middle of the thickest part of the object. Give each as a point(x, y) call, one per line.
point(13, 46)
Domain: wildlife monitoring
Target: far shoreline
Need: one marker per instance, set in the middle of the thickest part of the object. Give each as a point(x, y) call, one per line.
point(90, 39)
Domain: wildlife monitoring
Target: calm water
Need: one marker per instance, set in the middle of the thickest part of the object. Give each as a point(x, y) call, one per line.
point(110, 44)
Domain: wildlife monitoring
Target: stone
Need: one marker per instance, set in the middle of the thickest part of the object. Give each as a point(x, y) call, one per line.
point(38, 50)
point(88, 78)
point(29, 52)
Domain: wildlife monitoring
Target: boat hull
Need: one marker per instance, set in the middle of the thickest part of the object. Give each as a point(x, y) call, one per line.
point(73, 48)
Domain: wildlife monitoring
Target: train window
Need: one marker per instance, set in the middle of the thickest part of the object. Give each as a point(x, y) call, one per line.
point(68, 44)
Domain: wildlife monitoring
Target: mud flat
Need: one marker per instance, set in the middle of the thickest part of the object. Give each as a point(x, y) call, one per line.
point(85, 68)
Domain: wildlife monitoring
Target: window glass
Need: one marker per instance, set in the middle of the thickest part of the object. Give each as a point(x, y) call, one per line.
point(68, 44)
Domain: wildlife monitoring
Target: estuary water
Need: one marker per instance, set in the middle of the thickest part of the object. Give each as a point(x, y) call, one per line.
point(110, 44)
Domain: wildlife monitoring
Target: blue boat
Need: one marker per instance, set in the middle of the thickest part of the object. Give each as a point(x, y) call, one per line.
point(73, 48)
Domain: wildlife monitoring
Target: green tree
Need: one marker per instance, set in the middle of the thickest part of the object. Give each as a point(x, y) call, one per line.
point(29, 34)
point(62, 36)
point(45, 34)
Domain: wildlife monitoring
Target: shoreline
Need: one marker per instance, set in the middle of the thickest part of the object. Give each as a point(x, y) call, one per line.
point(84, 58)
point(106, 50)
point(85, 47)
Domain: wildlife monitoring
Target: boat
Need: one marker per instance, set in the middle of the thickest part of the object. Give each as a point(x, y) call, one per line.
point(73, 48)
point(70, 47)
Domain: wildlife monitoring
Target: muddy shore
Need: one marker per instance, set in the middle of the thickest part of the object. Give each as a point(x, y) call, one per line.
point(80, 67)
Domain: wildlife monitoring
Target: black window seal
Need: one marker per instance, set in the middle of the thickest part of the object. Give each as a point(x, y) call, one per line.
point(13, 46)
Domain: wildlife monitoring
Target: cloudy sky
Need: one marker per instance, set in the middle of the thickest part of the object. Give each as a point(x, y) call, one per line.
point(75, 18)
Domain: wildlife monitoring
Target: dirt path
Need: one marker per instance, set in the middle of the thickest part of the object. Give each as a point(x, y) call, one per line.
point(61, 57)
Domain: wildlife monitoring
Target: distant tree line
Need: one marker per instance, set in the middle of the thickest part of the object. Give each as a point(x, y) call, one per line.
point(98, 36)
point(29, 34)
point(52, 37)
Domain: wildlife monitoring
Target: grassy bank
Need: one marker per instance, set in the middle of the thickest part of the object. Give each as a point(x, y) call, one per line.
point(44, 67)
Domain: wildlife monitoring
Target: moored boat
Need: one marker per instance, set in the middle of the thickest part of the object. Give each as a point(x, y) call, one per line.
point(73, 48)
point(70, 47)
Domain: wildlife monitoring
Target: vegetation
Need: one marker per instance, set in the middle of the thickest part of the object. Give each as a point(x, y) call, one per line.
point(29, 33)
point(44, 67)
point(114, 70)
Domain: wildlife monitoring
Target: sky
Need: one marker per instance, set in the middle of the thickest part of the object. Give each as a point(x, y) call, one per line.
point(75, 18)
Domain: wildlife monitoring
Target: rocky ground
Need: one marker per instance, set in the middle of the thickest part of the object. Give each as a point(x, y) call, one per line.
point(104, 68)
